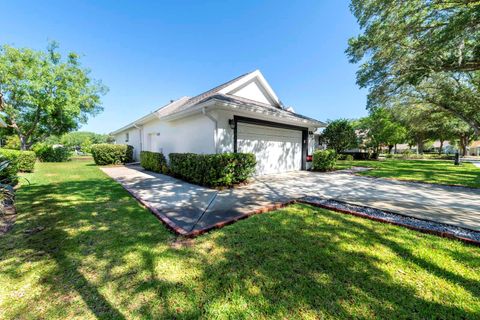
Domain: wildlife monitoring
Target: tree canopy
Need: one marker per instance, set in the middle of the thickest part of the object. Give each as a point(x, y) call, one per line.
point(382, 129)
point(420, 52)
point(44, 94)
point(413, 39)
point(339, 135)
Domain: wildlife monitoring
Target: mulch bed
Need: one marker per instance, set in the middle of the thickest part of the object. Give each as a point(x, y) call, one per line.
point(7, 220)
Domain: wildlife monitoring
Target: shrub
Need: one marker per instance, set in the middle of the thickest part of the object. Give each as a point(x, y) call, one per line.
point(324, 160)
point(12, 142)
point(49, 153)
point(153, 161)
point(347, 157)
point(105, 153)
point(25, 159)
point(8, 172)
point(213, 170)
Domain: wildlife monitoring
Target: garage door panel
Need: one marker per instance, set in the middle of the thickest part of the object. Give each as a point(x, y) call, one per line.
point(276, 149)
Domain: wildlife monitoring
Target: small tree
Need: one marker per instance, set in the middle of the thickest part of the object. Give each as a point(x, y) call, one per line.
point(339, 135)
point(42, 94)
point(86, 145)
point(382, 129)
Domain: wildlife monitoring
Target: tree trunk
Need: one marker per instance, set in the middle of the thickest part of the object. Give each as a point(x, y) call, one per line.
point(23, 142)
point(464, 144)
point(420, 146)
point(395, 149)
point(441, 147)
point(390, 147)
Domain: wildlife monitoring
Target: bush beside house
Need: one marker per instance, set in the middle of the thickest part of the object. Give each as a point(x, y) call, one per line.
point(49, 153)
point(25, 160)
point(324, 160)
point(8, 172)
point(213, 170)
point(153, 161)
point(105, 153)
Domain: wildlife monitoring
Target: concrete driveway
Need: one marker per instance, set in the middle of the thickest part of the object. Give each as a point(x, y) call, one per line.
point(189, 208)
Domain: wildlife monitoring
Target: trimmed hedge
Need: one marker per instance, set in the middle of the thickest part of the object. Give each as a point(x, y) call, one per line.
point(25, 159)
point(48, 153)
point(9, 174)
point(105, 153)
point(153, 161)
point(324, 160)
point(213, 170)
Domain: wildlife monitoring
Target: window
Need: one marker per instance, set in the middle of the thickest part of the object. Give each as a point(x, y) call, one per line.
point(127, 136)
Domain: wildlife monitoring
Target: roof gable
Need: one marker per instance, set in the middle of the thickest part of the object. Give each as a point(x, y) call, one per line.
point(252, 86)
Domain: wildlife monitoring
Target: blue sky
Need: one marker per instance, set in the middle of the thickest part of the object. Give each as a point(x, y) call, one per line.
point(150, 52)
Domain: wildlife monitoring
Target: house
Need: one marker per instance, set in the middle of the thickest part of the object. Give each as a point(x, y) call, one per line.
point(241, 115)
point(474, 148)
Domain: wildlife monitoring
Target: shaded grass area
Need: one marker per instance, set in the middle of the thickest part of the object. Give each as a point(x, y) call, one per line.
point(432, 171)
point(101, 255)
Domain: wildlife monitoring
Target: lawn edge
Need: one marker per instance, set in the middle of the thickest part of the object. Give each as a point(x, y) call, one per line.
point(450, 185)
point(419, 229)
point(278, 205)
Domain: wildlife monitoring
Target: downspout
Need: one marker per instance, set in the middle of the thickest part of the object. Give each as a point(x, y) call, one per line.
point(209, 116)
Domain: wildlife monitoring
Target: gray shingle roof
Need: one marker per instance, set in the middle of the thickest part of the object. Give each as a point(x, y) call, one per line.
point(186, 103)
point(271, 109)
point(171, 109)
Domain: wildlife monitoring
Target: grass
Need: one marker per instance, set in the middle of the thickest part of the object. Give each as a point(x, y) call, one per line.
point(432, 171)
point(101, 255)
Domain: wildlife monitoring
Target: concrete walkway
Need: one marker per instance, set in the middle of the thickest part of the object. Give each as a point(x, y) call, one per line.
point(189, 208)
point(473, 160)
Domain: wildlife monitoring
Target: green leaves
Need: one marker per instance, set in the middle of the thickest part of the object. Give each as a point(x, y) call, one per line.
point(339, 135)
point(382, 129)
point(419, 52)
point(213, 170)
point(45, 94)
point(105, 154)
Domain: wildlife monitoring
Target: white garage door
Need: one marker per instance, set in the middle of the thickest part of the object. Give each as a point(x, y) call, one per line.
point(276, 149)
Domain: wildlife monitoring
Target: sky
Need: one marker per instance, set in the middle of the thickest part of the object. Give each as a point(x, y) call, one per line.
point(150, 52)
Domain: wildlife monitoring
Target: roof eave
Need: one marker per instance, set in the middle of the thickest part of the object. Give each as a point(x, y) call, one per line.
point(217, 103)
point(138, 122)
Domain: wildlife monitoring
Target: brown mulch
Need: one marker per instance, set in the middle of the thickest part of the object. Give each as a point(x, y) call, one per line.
point(7, 221)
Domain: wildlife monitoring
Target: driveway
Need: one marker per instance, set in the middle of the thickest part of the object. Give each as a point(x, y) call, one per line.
point(189, 208)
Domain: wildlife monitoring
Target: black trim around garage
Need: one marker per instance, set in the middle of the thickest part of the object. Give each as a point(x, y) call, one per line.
point(237, 119)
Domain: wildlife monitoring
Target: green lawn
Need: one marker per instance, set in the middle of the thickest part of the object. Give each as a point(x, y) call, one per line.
point(102, 255)
point(432, 171)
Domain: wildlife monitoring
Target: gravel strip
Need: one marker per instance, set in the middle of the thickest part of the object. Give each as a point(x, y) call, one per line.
point(434, 227)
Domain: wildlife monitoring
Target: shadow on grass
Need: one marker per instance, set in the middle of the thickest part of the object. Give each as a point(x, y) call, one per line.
point(295, 263)
point(306, 265)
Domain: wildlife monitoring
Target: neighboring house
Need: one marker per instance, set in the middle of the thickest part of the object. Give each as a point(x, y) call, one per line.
point(241, 115)
point(474, 148)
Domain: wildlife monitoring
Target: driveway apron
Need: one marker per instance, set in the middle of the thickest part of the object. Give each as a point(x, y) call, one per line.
point(193, 208)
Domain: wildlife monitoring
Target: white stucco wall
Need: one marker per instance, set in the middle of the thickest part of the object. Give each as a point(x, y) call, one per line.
point(192, 134)
point(224, 135)
point(134, 140)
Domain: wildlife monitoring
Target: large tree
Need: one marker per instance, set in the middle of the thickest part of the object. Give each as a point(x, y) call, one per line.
point(420, 46)
point(44, 94)
point(413, 38)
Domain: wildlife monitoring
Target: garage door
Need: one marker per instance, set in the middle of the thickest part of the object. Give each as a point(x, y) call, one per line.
point(276, 149)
